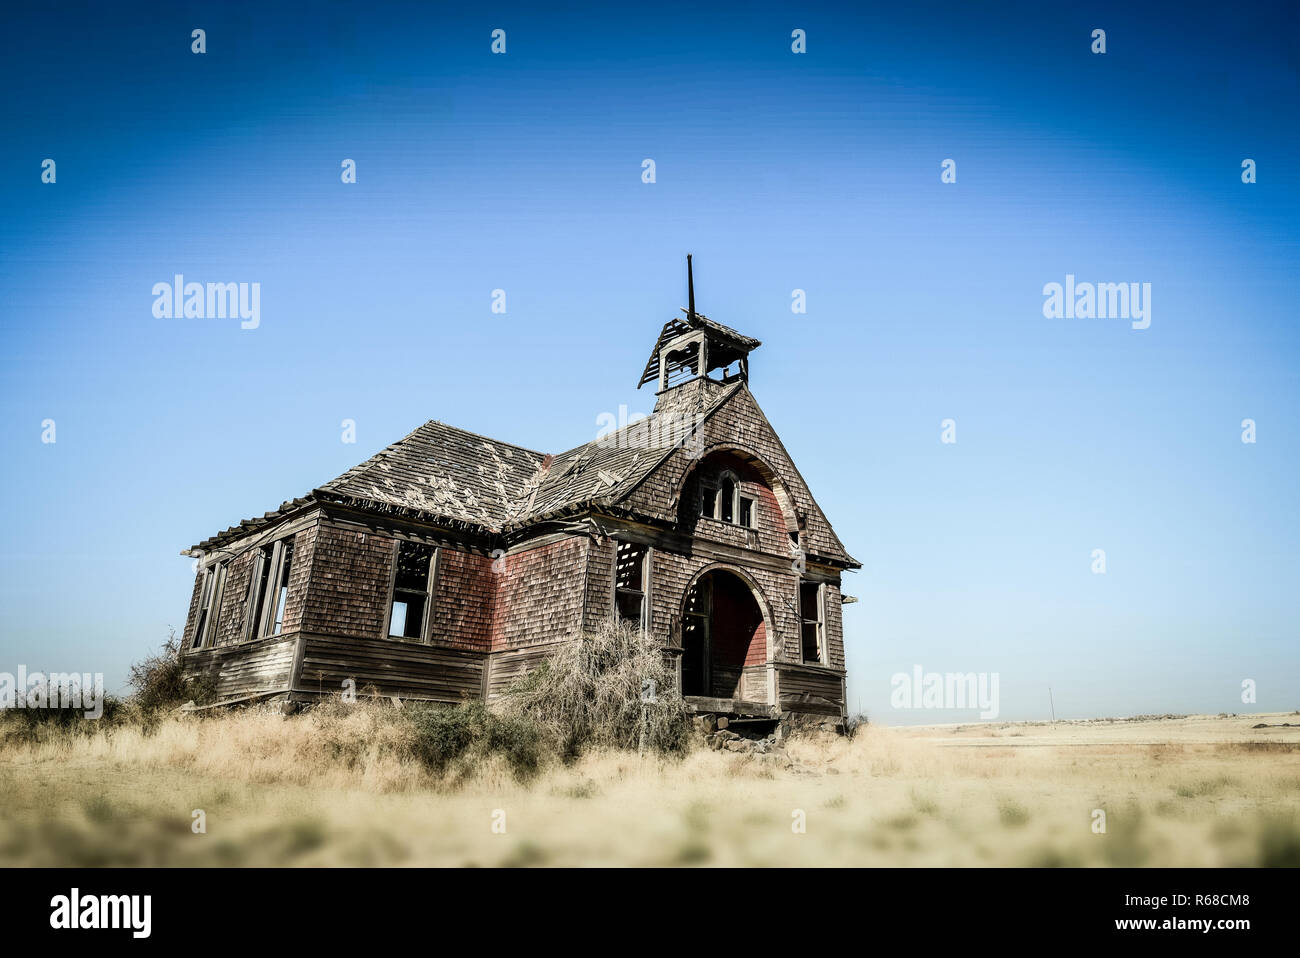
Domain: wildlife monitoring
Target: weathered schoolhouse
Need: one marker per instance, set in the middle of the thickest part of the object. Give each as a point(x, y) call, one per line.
point(447, 564)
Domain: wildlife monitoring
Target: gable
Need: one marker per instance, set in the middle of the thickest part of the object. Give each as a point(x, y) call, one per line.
point(736, 424)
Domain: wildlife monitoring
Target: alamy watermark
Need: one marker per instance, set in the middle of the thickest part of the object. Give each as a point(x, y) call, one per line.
point(181, 300)
point(663, 430)
point(55, 690)
point(945, 690)
point(129, 912)
point(1098, 301)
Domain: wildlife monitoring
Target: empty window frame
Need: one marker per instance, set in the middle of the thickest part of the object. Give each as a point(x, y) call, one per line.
point(722, 500)
point(709, 502)
point(631, 575)
point(727, 498)
point(696, 642)
point(213, 589)
point(268, 590)
point(812, 616)
point(408, 615)
point(281, 580)
point(257, 587)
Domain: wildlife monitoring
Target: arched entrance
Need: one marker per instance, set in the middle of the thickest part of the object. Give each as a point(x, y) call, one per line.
point(724, 639)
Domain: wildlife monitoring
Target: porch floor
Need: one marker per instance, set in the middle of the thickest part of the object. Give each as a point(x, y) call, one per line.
point(701, 704)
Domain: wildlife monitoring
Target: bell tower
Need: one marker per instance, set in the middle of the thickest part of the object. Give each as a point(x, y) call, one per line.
point(693, 347)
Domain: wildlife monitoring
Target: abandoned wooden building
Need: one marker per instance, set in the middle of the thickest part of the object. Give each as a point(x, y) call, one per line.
point(448, 563)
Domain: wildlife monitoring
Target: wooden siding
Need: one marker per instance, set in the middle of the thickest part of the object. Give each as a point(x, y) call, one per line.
point(753, 684)
point(246, 669)
point(230, 627)
point(463, 608)
point(599, 580)
point(348, 591)
point(835, 624)
point(810, 689)
point(506, 667)
point(539, 594)
point(405, 669)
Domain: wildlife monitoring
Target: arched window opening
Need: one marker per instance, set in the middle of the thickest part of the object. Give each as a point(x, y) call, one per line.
point(721, 499)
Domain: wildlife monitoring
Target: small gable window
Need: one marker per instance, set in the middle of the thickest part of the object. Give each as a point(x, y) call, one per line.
point(727, 498)
point(409, 612)
point(721, 500)
point(709, 502)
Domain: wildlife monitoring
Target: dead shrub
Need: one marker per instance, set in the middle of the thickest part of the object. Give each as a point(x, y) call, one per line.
point(158, 681)
point(610, 688)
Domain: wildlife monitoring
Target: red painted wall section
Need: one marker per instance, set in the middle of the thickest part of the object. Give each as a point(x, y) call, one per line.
point(463, 614)
point(539, 594)
point(738, 633)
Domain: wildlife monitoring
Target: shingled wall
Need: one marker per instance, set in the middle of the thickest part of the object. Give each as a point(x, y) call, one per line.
point(738, 422)
point(234, 599)
point(539, 594)
point(464, 613)
point(348, 591)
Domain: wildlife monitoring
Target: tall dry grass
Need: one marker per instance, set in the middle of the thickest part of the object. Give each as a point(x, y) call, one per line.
point(340, 785)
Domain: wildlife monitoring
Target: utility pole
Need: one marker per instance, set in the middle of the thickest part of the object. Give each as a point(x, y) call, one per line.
point(1051, 702)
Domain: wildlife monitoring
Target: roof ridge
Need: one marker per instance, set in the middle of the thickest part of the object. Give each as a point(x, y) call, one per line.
point(720, 397)
point(479, 435)
point(361, 468)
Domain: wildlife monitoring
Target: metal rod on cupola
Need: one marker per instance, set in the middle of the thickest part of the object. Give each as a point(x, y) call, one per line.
point(690, 289)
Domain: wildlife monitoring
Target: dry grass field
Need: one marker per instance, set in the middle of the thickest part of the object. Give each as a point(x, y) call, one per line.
point(321, 789)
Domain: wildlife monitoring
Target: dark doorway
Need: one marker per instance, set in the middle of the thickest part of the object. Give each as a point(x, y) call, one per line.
point(723, 633)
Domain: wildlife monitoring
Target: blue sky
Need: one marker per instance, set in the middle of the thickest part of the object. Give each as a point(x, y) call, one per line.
point(778, 171)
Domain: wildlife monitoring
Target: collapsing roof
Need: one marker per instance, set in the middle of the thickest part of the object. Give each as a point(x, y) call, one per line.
point(461, 480)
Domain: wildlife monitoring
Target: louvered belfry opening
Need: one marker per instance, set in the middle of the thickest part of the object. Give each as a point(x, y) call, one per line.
point(697, 346)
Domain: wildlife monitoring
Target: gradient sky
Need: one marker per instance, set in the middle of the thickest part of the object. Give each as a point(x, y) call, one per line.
point(778, 171)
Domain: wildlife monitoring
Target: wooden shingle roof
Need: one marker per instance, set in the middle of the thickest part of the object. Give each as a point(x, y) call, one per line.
point(607, 469)
point(459, 479)
point(443, 471)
